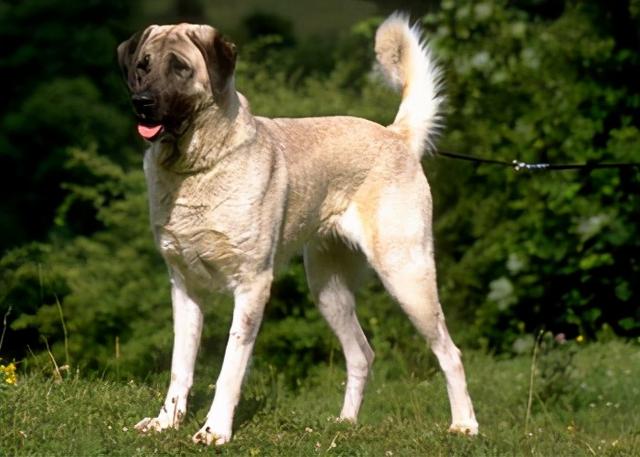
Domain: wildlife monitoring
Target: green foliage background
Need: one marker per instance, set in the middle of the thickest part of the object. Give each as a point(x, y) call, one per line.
point(537, 80)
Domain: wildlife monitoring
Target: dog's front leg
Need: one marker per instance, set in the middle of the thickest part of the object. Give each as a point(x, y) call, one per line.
point(187, 328)
point(250, 300)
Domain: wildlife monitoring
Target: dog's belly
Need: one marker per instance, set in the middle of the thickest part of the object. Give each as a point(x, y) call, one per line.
point(309, 214)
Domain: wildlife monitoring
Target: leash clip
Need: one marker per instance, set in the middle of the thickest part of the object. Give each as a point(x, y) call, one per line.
point(518, 165)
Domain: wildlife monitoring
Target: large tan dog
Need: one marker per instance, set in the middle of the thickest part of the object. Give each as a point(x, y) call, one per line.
point(233, 195)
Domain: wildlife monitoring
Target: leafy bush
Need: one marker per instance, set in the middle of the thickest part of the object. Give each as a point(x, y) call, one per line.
point(520, 251)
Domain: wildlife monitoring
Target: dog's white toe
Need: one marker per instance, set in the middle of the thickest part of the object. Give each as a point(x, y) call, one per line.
point(148, 424)
point(156, 424)
point(346, 420)
point(464, 428)
point(208, 436)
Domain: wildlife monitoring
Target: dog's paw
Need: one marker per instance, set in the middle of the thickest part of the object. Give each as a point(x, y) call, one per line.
point(169, 417)
point(158, 424)
point(464, 428)
point(207, 435)
point(344, 419)
point(150, 424)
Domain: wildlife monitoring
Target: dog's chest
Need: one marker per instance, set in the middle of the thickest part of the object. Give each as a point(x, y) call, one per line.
point(191, 234)
point(192, 243)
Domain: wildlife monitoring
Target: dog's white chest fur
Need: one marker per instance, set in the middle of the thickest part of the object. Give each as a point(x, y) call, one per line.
point(193, 235)
point(210, 224)
point(204, 256)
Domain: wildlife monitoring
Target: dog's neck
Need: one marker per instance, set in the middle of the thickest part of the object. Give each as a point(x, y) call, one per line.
point(192, 153)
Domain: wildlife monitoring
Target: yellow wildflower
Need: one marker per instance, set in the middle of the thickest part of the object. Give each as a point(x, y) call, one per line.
point(9, 372)
point(580, 339)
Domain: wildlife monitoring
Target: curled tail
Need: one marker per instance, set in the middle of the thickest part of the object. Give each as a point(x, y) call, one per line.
point(406, 62)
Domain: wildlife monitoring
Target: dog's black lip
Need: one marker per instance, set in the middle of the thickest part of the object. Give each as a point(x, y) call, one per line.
point(148, 122)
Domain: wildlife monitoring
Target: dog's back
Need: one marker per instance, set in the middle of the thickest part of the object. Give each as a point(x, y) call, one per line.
point(328, 159)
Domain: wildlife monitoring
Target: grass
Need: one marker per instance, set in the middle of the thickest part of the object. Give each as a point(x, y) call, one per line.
point(585, 402)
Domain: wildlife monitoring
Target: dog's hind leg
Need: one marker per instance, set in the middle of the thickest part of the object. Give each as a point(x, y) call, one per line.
point(333, 270)
point(187, 324)
point(394, 231)
point(250, 298)
point(412, 283)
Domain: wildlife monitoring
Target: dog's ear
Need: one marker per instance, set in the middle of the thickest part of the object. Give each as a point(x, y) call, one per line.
point(219, 56)
point(128, 50)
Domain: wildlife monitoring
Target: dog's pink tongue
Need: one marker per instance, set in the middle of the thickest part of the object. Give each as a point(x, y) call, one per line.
point(148, 132)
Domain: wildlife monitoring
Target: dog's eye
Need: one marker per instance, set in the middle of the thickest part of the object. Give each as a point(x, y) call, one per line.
point(180, 67)
point(143, 64)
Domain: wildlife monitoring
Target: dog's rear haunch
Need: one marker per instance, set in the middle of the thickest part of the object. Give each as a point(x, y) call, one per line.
point(233, 195)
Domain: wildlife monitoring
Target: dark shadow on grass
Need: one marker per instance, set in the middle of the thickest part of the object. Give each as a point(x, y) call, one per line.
point(200, 402)
point(247, 409)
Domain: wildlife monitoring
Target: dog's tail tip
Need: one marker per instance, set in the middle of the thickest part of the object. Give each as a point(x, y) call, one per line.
point(406, 62)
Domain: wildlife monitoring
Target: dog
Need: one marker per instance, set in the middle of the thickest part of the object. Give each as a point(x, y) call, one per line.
point(232, 196)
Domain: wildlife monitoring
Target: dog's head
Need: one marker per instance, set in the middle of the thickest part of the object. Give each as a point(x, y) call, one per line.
point(173, 72)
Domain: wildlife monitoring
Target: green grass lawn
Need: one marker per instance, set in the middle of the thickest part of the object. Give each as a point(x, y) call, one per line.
point(586, 401)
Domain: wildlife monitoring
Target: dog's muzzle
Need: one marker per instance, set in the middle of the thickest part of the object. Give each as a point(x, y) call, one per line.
point(144, 105)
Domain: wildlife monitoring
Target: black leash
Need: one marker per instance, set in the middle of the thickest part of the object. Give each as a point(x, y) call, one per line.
point(518, 165)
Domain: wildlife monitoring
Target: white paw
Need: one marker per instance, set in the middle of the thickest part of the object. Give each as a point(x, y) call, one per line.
point(169, 417)
point(208, 435)
point(149, 424)
point(469, 428)
point(344, 419)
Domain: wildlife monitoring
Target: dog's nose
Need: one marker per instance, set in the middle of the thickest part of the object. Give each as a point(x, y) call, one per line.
point(143, 101)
